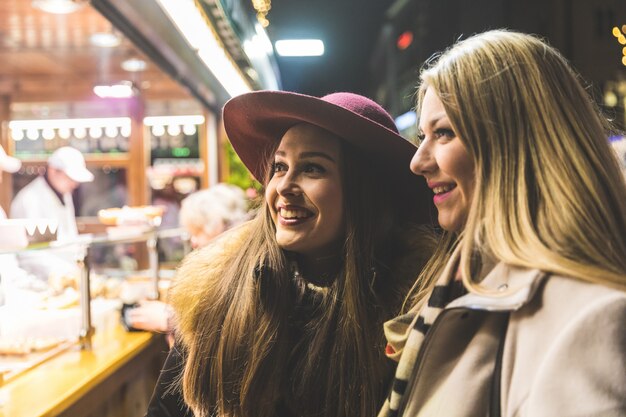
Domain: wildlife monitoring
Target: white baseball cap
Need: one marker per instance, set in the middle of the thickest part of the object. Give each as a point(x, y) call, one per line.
point(71, 162)
point(9, 163)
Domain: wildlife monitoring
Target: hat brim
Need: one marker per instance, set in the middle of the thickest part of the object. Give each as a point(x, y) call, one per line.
point(256, 122)
point(79, 175)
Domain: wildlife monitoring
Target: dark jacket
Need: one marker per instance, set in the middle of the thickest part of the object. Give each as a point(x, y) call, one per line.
point(167, 400)
point(194, 282)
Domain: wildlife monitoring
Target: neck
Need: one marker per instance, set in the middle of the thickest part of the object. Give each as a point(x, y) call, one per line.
point(319, 270)
point(53, 188)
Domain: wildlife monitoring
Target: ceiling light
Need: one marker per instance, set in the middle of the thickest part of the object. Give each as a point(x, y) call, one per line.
point(134, 65)
point(58, 6)
point(184, 14)
point(124, 89)
point(173, 120)
point(300, 47)
point(105, 39)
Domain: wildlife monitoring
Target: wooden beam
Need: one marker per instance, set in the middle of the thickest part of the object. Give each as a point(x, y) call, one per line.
point(139, 150)
point(6, 186)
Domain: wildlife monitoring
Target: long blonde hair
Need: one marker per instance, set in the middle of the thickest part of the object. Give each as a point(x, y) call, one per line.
point(243, 357)
point(548, 193)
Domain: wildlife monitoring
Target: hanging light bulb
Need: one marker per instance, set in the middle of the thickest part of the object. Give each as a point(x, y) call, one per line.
point(32, 134)
point(47, 134)
point(110, 131)
point(17, 134)
point(95, 132)
point(125, 131)
point(64, 133)
point(80, 132)
point(189, 129)
point(158, 130)
point(173, 130)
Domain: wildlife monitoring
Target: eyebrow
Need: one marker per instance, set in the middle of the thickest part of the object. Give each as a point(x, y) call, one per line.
point(309, 154)
point(434, 121)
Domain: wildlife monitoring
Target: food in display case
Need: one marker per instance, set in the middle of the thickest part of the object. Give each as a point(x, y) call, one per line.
point(21, 347)
point(138, 215)
point(99, 285)
point(41, 318)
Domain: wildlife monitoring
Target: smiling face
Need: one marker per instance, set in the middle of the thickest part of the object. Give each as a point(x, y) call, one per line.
point(305, 193)
point(445, 163)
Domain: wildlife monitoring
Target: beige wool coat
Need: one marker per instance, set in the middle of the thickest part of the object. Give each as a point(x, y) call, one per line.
point(564, 354)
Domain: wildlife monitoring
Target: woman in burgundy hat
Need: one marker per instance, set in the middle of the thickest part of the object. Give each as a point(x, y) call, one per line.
point(283, 315)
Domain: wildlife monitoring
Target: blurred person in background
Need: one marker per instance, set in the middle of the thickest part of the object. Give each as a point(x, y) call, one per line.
point(8, 262)
point(7, 164)
point(49, 196)
point(205, 214)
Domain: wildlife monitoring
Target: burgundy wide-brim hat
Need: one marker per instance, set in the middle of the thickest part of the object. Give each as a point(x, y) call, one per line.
point(256, 122)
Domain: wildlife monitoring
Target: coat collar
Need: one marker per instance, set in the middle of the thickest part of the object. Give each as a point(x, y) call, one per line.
point(505, 288)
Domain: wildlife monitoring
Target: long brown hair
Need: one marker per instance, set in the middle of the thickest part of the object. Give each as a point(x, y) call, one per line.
point(261, 341)
point(549, 193)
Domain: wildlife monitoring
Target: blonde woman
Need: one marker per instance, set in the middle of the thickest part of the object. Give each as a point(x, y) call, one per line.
point(533, 203)
point(283, 315)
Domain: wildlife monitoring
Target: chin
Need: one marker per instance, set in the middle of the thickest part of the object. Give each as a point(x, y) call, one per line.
point(451, 225)
point(287, 244)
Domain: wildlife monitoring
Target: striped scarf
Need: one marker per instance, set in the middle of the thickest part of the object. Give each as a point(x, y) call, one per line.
point(406, 333)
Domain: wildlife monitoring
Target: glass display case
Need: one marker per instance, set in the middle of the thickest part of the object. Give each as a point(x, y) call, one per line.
point(40, 318)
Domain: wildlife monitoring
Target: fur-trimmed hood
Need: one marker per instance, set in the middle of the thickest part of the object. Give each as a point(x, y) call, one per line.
point(197, 275)
point(200, 272)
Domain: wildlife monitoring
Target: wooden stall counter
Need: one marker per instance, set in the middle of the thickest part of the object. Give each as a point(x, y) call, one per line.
point(114, 379)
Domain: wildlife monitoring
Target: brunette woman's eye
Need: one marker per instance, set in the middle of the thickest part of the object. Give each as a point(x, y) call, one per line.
point(278, 167)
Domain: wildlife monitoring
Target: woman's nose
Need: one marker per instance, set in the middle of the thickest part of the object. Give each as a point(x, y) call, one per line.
point(423, 162)
point(288, 184)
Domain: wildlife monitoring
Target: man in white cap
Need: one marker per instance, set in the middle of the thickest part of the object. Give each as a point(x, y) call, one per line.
point(10, 165)
point(9, 267)
point(50, 196)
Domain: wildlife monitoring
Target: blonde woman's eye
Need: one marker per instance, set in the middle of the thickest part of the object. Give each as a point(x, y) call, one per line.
point(444, 133)
point(314, 169)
